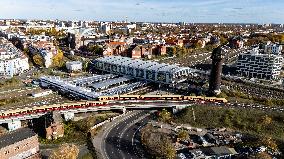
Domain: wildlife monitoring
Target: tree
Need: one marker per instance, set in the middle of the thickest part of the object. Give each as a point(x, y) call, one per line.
point(157, 143)
point(222, 95)
point(223, 40)
point(269, 102)
point(38, 60)
point(85, 65)
point(183, 134)
point(262, 155)
point(192, 94)
point(171, 51)
point(165, 116)
point(266, 120)
point(65, 151)
point(57, 60)
point(268, 142)
point(168, 150)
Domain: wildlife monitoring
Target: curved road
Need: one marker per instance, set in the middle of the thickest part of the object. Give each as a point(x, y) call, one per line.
point(122, 140)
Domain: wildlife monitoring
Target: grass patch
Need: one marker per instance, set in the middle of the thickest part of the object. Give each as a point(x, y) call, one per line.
point(245, 120)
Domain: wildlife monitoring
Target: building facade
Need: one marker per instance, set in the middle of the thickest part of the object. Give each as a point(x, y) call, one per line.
point(21, 143)
point(12, 60)
point(74, 66)
point(256, 65)
point(273, 49)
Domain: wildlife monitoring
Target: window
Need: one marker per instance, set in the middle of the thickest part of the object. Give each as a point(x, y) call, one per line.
point(17, 148)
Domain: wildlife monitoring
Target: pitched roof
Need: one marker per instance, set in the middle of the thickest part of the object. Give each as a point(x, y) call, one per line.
point(117, 43)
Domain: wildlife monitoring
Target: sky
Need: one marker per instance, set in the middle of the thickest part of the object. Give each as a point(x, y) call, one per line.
point(193, 11)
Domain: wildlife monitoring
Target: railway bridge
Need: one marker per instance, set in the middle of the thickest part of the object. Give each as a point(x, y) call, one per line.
point(14, 121)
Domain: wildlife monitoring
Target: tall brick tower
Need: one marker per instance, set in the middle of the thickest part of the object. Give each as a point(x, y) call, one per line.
point(216, 71)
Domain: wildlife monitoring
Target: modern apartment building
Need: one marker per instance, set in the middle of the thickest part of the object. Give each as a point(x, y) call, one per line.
point(265, 65)
point(12, 60)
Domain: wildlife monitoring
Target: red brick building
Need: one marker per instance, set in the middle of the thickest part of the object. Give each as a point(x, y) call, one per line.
point(21, 143)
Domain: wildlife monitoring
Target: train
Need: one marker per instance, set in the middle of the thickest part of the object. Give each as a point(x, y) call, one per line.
point(104, 101)
point(162, 97)
point(47, 108)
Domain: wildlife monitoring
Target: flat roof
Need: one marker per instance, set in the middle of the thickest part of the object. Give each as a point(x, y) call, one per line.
point(123, 88)
point(137, 63)
point(15, 136)
point(93, 78)
point(110, 82)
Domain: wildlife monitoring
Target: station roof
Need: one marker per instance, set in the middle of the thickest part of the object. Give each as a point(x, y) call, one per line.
point(93, 78)
point(140, 64)
point(107, 83)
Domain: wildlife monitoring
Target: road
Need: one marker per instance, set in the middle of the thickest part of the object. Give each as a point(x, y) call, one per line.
point(121, 140)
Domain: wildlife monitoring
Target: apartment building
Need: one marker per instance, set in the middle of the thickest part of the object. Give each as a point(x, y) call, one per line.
point(12, 60)
point(260, 65)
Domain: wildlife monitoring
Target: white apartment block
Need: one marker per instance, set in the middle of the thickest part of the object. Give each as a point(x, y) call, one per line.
point(12, 60)
point(74, 66)
point(256, 65)
point(47, 56)
point(273, 49)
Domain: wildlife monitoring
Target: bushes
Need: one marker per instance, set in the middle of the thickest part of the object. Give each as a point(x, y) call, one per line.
point(65, 151)
point(12, 101)
point(157, 143)
point(265, 101)
point(246, 120)
point(10, 82)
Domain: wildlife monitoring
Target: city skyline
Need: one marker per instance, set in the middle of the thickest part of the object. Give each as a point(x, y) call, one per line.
point(206, 11)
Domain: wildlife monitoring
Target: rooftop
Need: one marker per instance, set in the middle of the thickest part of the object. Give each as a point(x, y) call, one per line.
point(15, 136)
point(140, 64)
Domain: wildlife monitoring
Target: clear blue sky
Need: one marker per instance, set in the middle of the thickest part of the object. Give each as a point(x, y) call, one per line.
point(244, 11)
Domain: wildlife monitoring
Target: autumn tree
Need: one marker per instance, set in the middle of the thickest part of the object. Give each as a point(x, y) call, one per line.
point(65, 151)
point(38, 60)
point(266, 120)
point(165, 116)
point(183, 134)
point(262, 155)
point(268, 142)
point(57, 60)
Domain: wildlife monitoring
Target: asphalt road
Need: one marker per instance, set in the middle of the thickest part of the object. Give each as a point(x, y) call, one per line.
point(122, 140)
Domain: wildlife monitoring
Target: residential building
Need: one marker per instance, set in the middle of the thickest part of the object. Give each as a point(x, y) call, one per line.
point(12, 60)
point(114, 48)
point(46, 49)
point(256, 65)
point(74, 66)
point(21, 143)
point(135, 52)
point(272, 49)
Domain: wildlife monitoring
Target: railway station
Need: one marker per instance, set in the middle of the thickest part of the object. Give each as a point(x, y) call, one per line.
point(90, 88)
point(143, 70)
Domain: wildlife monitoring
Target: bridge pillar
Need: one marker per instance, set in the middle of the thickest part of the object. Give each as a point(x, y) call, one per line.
point(123, 110)
point(14, 125)
point(68, 116)
point(177, 109)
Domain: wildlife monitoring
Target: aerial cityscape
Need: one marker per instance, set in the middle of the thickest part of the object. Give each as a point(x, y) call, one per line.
point(131, 79)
